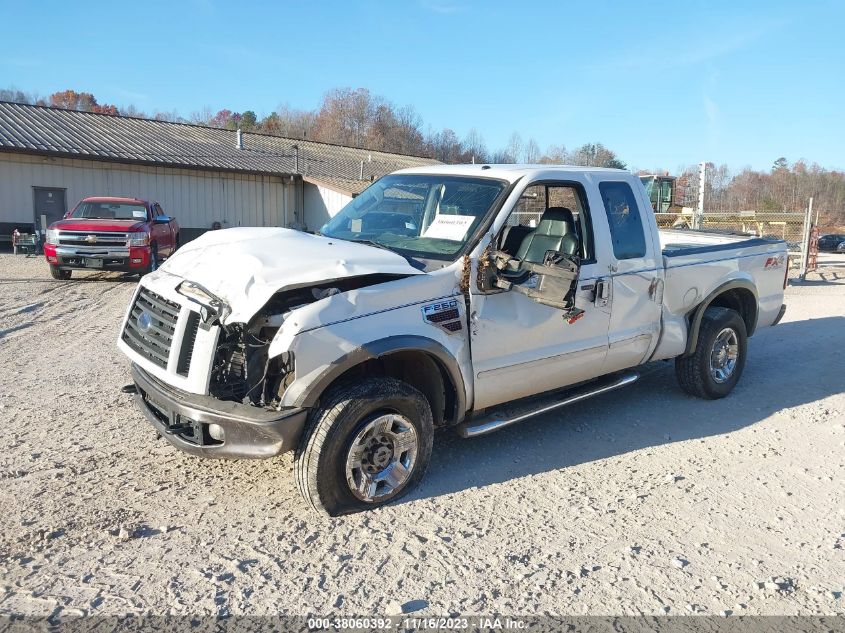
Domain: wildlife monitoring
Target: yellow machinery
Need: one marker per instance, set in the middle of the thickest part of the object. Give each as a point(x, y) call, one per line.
point(661, 192)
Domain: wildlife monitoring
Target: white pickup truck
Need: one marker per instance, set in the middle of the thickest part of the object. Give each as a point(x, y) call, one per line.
point(470, 296)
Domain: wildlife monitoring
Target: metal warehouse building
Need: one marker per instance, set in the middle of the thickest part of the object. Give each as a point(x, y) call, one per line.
point(51, 158)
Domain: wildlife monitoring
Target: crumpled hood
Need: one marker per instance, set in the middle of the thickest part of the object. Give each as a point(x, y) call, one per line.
point(246, 266)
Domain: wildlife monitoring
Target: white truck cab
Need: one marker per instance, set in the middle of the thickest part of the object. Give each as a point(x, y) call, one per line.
point(471, 296)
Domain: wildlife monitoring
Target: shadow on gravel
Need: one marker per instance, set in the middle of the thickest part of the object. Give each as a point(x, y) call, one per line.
point(16, 328)
point(827, 278)
point(108, 277)
point(789, 365)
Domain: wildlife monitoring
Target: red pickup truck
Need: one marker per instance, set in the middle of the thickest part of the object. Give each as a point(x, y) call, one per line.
point(119, 234)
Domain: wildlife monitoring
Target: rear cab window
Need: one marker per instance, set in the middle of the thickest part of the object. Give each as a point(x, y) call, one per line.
point(624, 219)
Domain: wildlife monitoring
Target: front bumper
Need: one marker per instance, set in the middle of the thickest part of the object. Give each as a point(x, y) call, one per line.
point(129, 259)
point(183, 420)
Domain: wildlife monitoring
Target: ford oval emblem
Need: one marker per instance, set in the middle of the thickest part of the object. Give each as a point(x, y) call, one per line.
point(145, 322)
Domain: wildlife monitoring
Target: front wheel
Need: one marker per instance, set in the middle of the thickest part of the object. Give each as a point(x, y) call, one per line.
point(58, 273)
point(713, 370)
point(368, 444)
point(153, 265)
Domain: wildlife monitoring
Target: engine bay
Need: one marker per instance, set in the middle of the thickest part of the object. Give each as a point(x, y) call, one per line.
point(243, 371)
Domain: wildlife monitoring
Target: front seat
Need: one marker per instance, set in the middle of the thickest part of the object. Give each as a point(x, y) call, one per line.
point(554, 232)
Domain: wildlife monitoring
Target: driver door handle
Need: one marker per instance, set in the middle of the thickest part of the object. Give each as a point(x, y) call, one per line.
point(602, 292)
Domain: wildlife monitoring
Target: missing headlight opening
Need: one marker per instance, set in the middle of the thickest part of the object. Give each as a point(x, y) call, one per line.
point(242, 370)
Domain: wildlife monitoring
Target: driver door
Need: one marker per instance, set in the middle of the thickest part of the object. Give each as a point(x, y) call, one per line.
point(522, 347)
point(162, 233)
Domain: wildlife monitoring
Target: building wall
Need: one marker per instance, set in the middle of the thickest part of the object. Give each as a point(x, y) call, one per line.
point(195, 198)
point(321, 204)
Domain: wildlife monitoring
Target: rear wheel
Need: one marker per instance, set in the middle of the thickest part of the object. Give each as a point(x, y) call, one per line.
point(58, 273)
point(369, 444)
point(715, 367)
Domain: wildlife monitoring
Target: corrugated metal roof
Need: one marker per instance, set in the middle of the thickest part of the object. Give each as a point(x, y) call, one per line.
point(57, 132)
point(343, 185)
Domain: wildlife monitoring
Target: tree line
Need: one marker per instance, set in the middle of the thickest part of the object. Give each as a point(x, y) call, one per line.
point(358, 118)
point(785, 188)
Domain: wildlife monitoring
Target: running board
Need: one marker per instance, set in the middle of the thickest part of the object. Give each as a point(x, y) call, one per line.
point(500, 419)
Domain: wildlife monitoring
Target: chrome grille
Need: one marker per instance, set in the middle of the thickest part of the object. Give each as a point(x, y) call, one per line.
point(152, 342)
point(92, 238)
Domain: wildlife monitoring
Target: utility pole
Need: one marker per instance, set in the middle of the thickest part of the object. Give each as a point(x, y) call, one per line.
point(805, 241)
point(699, 212)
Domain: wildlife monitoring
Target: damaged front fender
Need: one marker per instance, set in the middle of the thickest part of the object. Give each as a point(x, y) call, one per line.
point(329, 334)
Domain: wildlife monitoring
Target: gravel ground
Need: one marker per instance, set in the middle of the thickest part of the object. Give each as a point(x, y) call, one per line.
point(643, 501)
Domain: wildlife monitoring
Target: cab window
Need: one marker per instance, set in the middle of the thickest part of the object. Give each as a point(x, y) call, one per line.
point(623, 217)
point(536, 201)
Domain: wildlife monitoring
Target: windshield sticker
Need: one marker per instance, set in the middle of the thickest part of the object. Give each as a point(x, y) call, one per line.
point(139, 215)
point(449, 227)
point(356, 225)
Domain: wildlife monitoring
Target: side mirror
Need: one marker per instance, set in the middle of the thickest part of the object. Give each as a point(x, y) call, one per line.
point(486, 275)
point(554, 282)
point(494, 273)
point(162, 219)
point(551, 283)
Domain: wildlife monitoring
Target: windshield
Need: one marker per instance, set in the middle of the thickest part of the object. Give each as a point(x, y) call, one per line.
point(428, 216)
point(110, 211)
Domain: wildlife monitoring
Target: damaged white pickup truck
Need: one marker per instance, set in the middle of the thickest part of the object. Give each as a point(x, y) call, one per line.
point(469, 296)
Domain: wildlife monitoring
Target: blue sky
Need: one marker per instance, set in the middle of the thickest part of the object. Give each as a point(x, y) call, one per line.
point(662, 84)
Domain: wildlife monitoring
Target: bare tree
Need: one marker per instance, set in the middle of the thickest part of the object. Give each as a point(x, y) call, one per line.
point(532, 151)
point(514, 148)
point(554, 155)
point(474, 146)
point(201, 117)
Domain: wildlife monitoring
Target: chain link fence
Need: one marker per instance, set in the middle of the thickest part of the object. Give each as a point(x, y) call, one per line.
point(687, 203)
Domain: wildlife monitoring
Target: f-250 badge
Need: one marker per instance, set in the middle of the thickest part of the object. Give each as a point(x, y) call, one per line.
point(444, 314)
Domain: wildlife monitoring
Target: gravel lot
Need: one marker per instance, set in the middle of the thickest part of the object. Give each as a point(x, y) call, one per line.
point(643, 501)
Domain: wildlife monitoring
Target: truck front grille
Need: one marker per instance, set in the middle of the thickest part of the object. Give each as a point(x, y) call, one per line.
point(151, 326)
point(92, 238)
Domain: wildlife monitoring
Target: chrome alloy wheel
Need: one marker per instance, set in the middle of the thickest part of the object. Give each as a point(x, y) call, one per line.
point(381, 457)
point(724, 355)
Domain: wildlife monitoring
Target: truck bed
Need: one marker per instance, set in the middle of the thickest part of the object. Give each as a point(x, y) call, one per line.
point(698, 263)
point(674, 243)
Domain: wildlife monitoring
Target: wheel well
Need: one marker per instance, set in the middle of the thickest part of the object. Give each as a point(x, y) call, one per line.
point(742, 301)
point(738, 297)
point(420, 370)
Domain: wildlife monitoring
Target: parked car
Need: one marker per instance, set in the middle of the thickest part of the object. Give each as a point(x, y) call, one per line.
point(466, 296)
point(118, 234)
point(831, 242)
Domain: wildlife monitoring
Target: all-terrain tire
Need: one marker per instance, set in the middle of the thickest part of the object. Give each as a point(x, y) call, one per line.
point(320, 459)
point(58, 273)
point(694, 372)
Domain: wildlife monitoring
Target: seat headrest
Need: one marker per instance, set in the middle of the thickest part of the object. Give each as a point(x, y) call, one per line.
point(556, 221)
